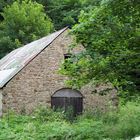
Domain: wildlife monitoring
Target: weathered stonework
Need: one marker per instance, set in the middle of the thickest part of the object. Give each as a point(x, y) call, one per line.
point(34, 85)
point(0, 102)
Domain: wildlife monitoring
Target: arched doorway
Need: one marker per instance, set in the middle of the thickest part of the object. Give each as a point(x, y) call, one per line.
point(67, 97)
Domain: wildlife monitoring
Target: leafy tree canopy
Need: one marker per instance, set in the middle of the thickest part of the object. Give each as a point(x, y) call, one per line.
point(110, 34)
point(63, 12)
point(4, 3)
point(23, 22)
point(16, 23)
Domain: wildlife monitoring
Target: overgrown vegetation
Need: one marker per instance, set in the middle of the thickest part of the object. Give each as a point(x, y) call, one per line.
point(110, 34)
point(32, 16)
point(22, 23)
point(45, 124)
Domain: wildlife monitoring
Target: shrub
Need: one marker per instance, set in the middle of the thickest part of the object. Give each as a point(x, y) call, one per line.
point(49, 125)
point(44, 114)
point(24, 21)
point(125, 124)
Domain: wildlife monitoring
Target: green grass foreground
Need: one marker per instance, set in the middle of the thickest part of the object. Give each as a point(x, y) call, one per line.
point(45, 124)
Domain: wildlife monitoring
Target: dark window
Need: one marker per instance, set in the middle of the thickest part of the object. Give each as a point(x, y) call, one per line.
point(66, 56)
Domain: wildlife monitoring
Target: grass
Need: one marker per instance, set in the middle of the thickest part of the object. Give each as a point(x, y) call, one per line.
point(44, 124)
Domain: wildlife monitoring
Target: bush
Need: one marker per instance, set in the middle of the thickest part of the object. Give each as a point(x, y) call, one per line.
point(44, 114)
point(124, 124)
point(24, 21)
point(49, 125)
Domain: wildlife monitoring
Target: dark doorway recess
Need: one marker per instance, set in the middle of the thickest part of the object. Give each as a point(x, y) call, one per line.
point(66, 98)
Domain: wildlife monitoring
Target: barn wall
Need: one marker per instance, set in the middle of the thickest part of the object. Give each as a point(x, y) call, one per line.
point(35, 84)
point(38, 80)
point(0, 102)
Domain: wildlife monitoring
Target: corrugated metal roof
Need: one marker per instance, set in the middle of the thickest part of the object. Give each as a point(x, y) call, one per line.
point(12, 63)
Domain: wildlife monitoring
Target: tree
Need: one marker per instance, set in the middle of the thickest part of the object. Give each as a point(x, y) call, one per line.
point(62, 12)
point(110, 34)
point(65, 12)
point(4, 3)
point(23, 22)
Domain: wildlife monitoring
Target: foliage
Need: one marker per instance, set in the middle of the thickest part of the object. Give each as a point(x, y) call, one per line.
point(33, 23)
point(65, 12)
point(46, 114)
point(62, 12)
point(23, 22)
point(110, 34)
point(6, 45)
point(125, 124)
point(3, 3)
point(88, 4)
point(49, 125)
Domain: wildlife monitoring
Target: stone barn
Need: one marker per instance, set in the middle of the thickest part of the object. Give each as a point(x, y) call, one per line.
point(29, 75)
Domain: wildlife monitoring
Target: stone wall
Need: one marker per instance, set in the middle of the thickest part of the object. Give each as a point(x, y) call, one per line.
point(95, 101)
point(34, 85)
point(0, 102)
